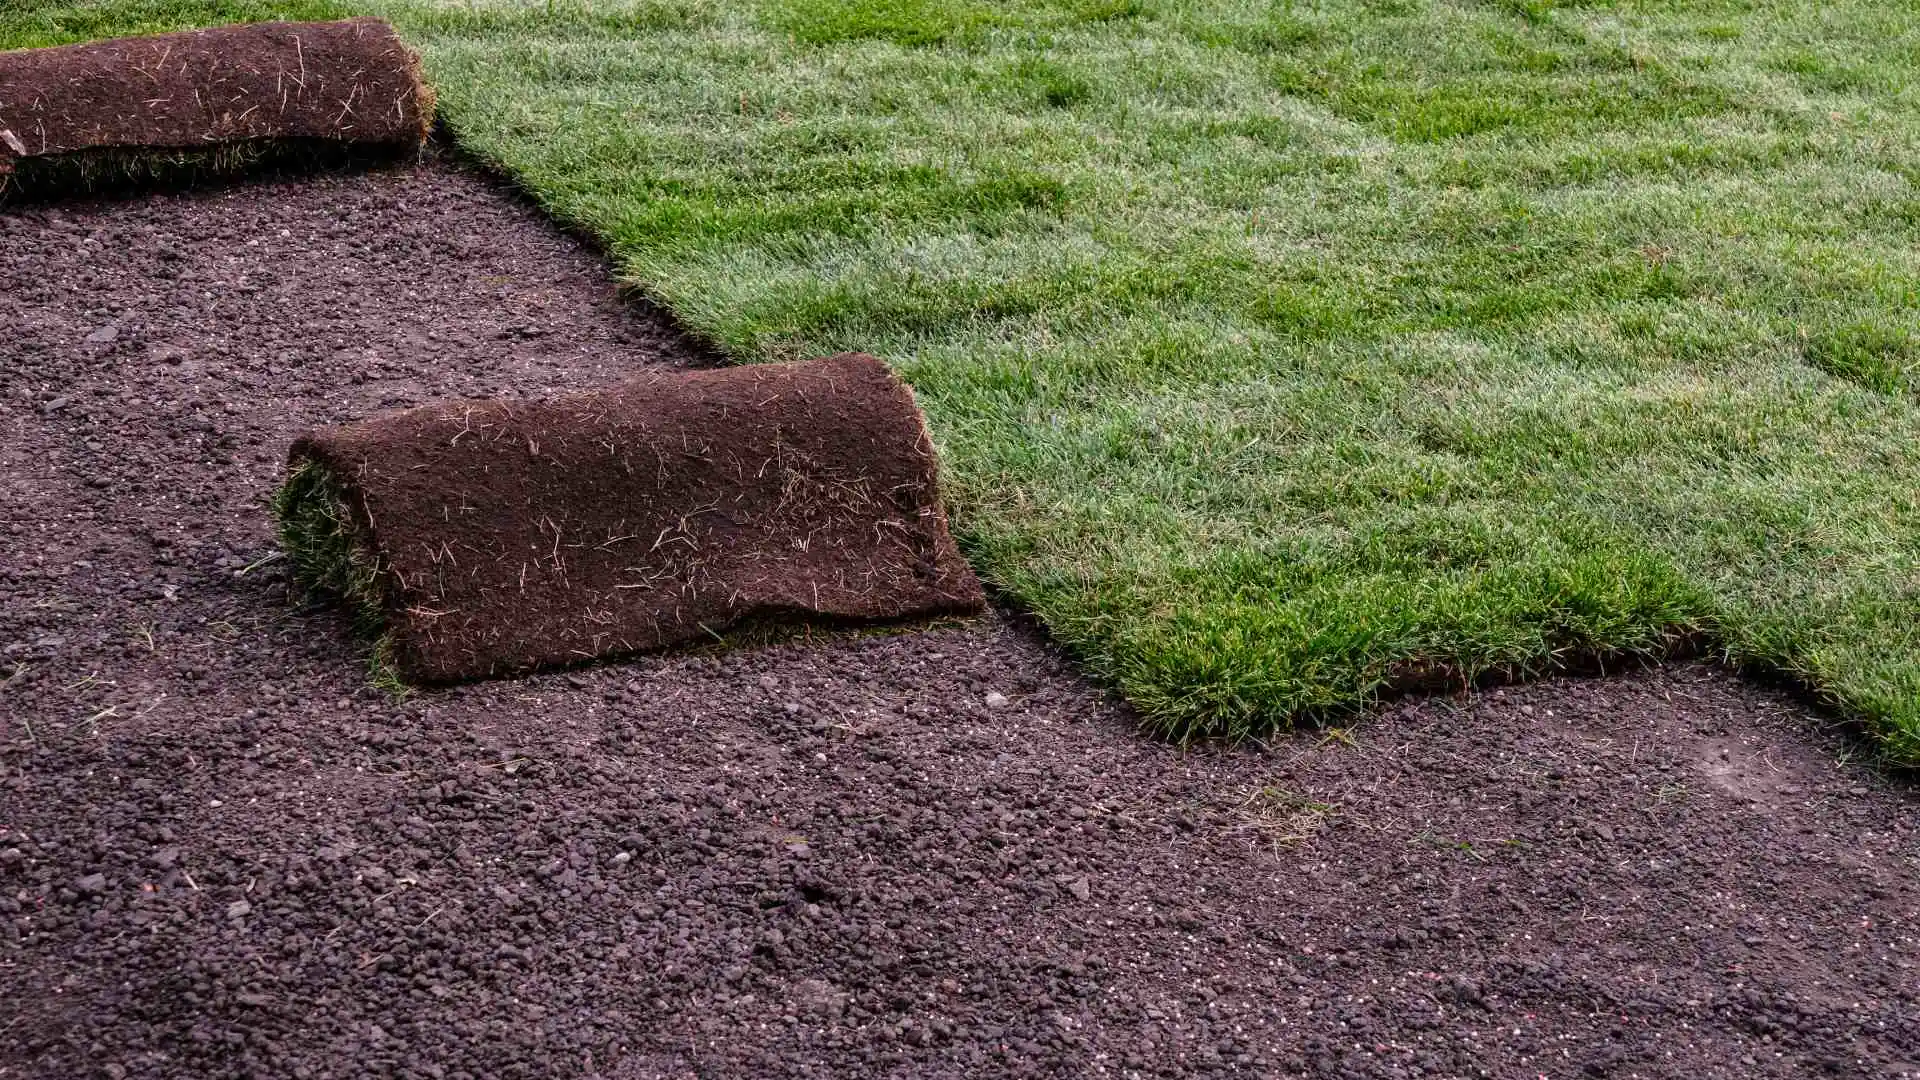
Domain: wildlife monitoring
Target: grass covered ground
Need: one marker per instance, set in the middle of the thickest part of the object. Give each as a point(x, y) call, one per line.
point(1281, 352)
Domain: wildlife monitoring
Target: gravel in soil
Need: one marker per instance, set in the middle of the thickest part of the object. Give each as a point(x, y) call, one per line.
point(939, 854)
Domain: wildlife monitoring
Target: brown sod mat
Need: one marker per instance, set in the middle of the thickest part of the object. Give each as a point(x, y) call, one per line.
point(219, 98)
point(494, 537)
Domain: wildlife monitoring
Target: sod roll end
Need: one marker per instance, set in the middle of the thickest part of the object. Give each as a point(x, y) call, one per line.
point(492, 538)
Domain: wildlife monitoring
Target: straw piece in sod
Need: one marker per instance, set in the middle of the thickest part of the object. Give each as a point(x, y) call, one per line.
point(495, 537)
point(225, 94)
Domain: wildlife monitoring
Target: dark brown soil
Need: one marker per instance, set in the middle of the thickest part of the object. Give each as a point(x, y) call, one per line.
point(512, 535)
point(352, 81)
point(930, 855)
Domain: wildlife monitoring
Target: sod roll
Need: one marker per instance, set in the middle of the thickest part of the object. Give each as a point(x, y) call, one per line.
point(208, 91)
point(490, 537)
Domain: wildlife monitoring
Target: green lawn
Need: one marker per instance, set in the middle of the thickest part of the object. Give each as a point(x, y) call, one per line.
point(1280, 351)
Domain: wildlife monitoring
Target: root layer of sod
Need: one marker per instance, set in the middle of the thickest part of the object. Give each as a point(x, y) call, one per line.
point(170, 106)
point(493, 537)
point(122, 172)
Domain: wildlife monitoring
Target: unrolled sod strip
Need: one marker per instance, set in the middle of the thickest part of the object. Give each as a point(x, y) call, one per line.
point(490, 537)
point(227, 94)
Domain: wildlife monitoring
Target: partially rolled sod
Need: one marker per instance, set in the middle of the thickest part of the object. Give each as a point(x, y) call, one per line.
point(490, 538)
point(228, 92)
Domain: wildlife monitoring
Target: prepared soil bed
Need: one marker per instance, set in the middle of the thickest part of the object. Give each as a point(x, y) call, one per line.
point(224, 854)
point(107, 109)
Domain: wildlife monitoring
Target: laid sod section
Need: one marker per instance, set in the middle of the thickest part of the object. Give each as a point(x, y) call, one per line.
point(493, 537)
point(1283, 352)
point(40, 26)
point(1280, 353)
point(169, 105)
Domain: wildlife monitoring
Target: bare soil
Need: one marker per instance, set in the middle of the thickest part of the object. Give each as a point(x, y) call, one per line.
point(940, 854)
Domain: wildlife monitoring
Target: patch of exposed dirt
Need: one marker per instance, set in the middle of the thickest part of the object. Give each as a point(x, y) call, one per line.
point(938, 854)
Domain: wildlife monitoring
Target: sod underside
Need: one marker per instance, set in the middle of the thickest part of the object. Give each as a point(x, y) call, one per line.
point(491, 538)
point(215, 99)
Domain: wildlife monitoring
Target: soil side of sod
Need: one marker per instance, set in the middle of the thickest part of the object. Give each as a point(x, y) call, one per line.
point(223, 854)
point(224, 96)
point(501, 536)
